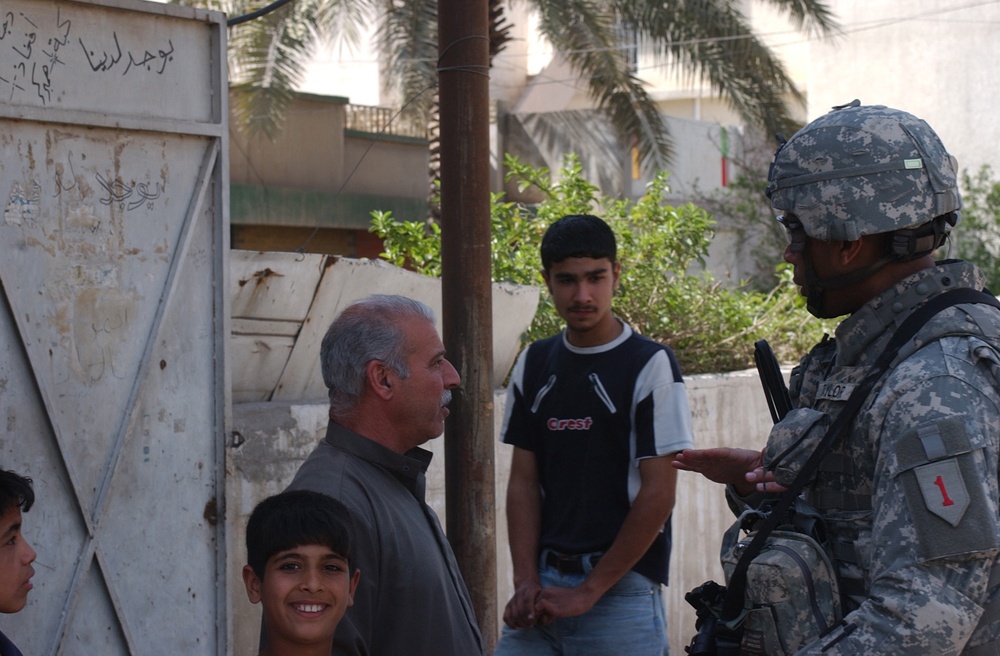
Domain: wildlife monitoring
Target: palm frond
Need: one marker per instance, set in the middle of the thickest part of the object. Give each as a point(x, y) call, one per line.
point(813, 17)
point(585, 33)
point(268, 56)
point(713, 42)
point(407, 38)
point(267, 62)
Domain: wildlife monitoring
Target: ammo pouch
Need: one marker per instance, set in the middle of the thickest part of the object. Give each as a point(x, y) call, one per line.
point(791, 594)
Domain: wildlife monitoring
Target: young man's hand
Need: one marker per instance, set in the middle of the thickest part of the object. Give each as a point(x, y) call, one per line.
point(556, 602)
point(520, 610)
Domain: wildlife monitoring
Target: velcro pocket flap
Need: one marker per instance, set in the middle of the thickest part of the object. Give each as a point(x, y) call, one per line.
point(792, 441)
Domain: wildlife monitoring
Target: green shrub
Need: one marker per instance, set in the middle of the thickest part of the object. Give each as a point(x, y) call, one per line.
point(665, 293)
point(977, 235)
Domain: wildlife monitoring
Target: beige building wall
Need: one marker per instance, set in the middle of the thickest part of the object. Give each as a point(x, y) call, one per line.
point(313, 129)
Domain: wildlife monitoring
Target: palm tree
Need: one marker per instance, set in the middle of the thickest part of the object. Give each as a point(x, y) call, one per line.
point(711, 39)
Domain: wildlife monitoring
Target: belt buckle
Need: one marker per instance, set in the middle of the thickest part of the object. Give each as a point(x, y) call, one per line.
point(569, 564)
point(565, 563)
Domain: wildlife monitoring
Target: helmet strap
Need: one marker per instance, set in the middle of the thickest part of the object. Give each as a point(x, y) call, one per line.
point(911, 243)
point(818, 287)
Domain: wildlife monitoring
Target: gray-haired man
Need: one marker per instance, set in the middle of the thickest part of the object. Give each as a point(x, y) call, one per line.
point(389, 383)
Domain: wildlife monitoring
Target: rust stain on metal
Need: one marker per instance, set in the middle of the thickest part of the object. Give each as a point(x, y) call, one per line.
point(260, 277)
point(211, 513)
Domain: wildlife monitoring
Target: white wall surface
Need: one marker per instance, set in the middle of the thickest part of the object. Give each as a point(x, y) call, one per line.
point(934, 58)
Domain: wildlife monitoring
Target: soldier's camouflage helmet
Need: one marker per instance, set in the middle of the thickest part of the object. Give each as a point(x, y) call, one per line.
point(863, 170)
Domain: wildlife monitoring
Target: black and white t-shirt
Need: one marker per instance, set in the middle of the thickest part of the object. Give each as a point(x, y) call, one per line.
point(590, 415)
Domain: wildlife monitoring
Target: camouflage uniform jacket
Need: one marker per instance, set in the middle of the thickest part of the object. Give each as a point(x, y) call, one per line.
point(910, 495)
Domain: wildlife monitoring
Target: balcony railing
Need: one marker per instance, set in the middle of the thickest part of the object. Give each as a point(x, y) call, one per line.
point(383, 120)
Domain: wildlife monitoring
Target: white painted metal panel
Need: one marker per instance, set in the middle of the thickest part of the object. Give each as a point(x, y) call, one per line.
point(70, 56)
point(346, 280)
point(113, 268)
point(275, 286)
point(282, 304)
point(258, 361)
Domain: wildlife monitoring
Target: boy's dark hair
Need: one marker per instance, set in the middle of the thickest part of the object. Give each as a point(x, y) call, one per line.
point(578, 235)
point(297, 518)
point(15, 491)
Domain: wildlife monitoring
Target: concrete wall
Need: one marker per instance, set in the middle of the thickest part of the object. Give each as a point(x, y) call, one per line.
point(272, 440)
point(315, 171)
point(390, 166)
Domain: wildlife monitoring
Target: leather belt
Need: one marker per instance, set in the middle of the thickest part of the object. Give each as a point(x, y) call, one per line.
point(569, 564)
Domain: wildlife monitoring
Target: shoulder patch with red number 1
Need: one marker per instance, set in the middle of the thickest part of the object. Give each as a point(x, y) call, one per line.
point(944, 490)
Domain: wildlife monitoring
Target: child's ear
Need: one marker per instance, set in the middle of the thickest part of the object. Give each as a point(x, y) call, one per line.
point(354, 586)
point(252, 584)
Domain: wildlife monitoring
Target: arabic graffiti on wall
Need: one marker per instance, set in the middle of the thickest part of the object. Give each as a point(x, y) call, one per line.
point(122, 193)
point(25, 196)
point(34, 50)
point(109, 56)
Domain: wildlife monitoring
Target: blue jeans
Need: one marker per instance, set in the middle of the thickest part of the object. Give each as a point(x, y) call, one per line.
point(627, 621)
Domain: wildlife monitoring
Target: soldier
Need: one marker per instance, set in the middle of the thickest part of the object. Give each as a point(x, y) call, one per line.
point(909, 493)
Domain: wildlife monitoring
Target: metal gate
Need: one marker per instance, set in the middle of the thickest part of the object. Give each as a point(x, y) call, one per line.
point(114, 320)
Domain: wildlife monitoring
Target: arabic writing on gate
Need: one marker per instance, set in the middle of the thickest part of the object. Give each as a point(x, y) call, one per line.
point(128, 196)
point(107, 56)
point(33, 50)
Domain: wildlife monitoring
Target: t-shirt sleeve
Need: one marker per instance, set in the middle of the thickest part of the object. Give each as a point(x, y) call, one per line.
point(662, 415)
point(513, 430)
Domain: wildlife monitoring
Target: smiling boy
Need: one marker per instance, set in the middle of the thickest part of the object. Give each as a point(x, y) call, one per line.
point(298, 555)
point(16, 555)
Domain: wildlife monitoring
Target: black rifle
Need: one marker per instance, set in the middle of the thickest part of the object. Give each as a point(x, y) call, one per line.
point(775, 391)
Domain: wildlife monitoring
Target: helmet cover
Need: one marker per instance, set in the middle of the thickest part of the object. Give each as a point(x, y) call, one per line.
point(863, 170)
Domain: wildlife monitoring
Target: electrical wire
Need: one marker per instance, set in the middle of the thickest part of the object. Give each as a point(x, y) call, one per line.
point(263, 11)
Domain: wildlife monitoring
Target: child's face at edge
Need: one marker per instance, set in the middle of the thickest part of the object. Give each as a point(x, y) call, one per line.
point(16, 556)
point(305, 592)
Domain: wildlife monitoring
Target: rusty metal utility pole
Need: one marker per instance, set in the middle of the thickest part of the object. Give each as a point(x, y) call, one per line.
point(463, 84)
